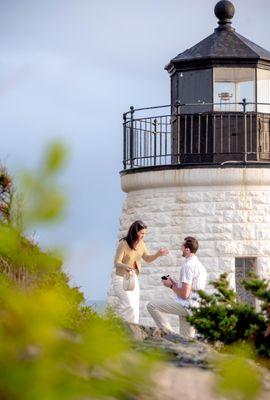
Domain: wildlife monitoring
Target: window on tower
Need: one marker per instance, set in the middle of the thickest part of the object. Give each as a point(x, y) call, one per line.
point(243, 267)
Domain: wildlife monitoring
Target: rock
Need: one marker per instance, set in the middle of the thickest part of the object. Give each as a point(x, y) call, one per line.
point(183, 383)
point(141, 332)
point(182, 352)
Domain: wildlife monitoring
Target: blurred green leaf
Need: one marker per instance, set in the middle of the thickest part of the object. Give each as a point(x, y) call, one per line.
point(39, 359)
point(55, 157)
point(238, 376)
point(43, 200)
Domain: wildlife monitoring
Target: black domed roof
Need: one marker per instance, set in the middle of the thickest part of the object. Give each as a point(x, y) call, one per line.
point(225, 43)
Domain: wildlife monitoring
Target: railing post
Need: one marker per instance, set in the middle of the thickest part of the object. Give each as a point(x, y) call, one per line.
point(131, 137)
point(177, 111)
point(125, 140)
point(244, 103)
point(177, 106)
point(155, 141)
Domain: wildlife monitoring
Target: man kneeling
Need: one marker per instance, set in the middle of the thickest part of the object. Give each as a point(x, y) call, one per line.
point(192, 278)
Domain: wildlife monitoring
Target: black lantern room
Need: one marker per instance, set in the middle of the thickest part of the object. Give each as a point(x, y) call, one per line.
point(220, 105)
point(222, 69)
point(225, 77)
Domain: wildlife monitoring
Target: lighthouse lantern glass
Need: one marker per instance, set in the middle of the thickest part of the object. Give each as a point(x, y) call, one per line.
point(263, 90)
point(231, 86)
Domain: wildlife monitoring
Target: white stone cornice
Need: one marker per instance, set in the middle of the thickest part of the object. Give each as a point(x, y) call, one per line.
point(203, 177)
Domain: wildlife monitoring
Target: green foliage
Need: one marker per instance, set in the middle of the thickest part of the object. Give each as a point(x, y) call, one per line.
point(238, 376)
point(52, 345)
point(221, 318)
point(41, 360)
point(6, 196)
point(77, 313)
point(20, 254)
point(55, 158)
point(43, 201)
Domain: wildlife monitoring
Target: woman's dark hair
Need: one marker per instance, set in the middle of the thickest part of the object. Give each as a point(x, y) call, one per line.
point(132, 234)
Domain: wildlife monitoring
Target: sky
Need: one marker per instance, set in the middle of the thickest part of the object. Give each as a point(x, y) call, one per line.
point(69, 69)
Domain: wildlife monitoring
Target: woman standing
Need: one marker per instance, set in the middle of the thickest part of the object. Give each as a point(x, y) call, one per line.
point(131, 250)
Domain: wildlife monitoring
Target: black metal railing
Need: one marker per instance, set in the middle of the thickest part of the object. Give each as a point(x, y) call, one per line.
point(186, 136)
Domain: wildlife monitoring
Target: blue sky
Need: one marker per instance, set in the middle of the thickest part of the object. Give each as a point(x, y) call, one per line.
point(69, 69)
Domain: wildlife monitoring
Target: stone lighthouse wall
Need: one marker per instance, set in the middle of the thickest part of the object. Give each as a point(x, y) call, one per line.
point(226, 209)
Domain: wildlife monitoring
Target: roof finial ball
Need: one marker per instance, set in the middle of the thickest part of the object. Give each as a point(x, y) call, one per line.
point(224, 11)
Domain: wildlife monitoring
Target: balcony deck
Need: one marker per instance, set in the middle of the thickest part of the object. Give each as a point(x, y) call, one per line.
point(181, 139)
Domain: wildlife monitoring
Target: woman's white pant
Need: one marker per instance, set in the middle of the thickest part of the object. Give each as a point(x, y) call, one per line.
point(129, 301)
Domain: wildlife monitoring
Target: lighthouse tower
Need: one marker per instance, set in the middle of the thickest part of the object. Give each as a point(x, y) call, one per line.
point(201, 165)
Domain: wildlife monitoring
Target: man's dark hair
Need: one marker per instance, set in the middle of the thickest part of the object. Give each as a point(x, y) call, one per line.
point(191, 243)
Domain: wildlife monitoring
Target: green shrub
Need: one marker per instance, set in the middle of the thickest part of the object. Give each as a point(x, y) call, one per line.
point(220, 317)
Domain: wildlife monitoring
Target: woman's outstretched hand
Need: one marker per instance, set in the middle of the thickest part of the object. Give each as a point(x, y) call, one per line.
point(163, 252)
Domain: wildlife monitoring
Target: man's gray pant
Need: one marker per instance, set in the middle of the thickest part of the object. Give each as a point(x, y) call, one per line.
point(158, 308)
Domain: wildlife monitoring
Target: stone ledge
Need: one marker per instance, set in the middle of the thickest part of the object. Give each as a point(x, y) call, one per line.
point(187, 178)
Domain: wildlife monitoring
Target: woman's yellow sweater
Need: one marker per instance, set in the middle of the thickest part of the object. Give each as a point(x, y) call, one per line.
point(127, 257)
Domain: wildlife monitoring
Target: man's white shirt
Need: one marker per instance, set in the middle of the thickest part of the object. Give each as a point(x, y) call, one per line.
point(193, 273)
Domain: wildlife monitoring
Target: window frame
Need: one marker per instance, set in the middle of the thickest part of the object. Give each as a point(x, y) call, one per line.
point(248, 297)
